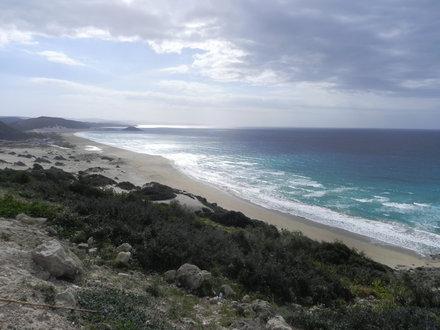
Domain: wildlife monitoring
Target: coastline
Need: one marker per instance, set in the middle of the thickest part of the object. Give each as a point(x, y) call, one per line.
point(141, 168)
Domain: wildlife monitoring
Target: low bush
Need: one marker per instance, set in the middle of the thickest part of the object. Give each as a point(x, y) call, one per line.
point(283, 267)
point(10, 207)
point(120, 309)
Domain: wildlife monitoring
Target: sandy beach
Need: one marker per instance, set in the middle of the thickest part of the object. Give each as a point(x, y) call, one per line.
point(124, 165)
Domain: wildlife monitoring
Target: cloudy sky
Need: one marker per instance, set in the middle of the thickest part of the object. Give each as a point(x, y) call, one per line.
point(322, 63)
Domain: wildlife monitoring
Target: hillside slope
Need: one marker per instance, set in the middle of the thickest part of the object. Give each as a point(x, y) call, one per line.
point(8, 120)
point(49, 122)
point(10, 133)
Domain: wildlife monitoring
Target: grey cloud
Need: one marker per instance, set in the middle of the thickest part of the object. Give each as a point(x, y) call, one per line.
point(373, 45)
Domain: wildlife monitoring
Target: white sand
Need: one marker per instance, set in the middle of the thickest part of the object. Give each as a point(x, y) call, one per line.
point(141, 168)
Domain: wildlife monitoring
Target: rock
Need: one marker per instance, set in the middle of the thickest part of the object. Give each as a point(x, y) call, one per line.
point(30, 220)
point(59, 262)
point(65, 298)
point(277, 323)
point(246, 325)
point(51, 231)
point(124, 247)
point(42, 160)
point(123, 258)
point(242, 309)
point(227, 291)
point(191, 277)
point(93, 251)
point(37, 167)
point(91, 241)
point(170, 276)
point(83, 246)
point(189, 322)
point(262, 308)
point(214, 300)
point(19, 163)
point(124, 274)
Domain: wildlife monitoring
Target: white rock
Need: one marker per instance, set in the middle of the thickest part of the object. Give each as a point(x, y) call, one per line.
point(124, 247)
point(65, 298)
point(30, 220)
point(123, 258)
point(191, 277)
point(59, 262)
point(277, 323)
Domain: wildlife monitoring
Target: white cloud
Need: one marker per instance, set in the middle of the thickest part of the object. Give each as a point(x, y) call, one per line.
point(11, 34)
point(179, 69)
point(59, 57)
point(92, 32)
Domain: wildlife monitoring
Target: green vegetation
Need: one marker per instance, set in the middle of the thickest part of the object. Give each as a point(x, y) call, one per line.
point(317, 285)
point(10, 207)
point(48, 292)
point(120, 309)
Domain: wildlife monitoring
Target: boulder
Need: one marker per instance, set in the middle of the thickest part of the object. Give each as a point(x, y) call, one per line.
point(83, 246)
point(277, 323)
point(262, 309)
point(51, 256)
point(30, 220)
point(90, 241)
point(65, 298)
point(124, 247)
point(246, 325)
point(170, 276)
point(37, 167)
point(191, 277)
point(123, 258)
point(227, 291)
point(93, 251)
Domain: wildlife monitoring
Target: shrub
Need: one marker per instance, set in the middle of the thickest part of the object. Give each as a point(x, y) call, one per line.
point(10, 207)
point(120, 309)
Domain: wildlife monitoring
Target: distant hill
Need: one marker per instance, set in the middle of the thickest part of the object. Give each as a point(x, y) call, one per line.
point(132, 129)
point(9, 133)
point(11, 119)
point(49, 122)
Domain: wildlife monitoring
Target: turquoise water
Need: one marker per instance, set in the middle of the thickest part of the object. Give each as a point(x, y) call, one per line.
point(384, 184)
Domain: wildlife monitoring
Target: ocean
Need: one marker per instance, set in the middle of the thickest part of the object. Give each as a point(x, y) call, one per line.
point(383, 184)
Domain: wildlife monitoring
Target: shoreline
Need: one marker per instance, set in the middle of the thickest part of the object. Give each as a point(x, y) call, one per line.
point(142, 168)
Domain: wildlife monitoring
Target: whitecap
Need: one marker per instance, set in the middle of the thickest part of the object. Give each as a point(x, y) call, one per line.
point(92, 148)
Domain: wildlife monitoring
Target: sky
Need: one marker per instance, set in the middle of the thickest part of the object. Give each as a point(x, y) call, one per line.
point(228, 63)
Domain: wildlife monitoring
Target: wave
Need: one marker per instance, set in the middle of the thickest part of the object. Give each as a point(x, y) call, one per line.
point(250, 180)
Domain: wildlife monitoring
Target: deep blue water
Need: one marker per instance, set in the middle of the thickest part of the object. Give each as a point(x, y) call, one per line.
point(384, 184)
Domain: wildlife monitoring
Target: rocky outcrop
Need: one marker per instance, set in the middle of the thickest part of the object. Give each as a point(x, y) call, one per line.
point(124, 247)
point(170, 276)
point(66, 298)
point(52, 257)
point(277, 323)
point(123, 258)
point(227, 291)
point(192, 278)
point(30, 220)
